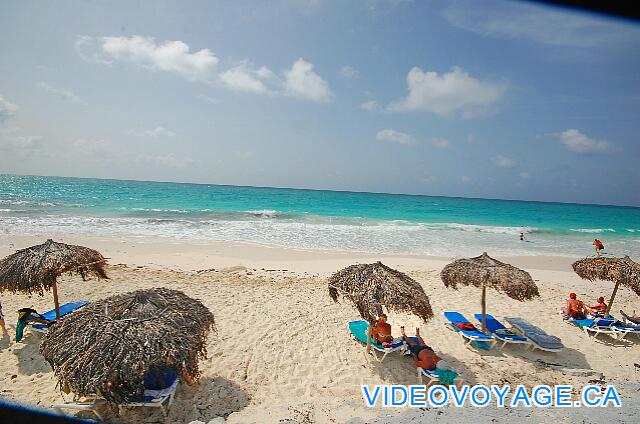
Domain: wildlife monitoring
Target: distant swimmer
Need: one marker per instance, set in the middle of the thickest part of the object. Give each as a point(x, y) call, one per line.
point(598, 246)
point(521, 236)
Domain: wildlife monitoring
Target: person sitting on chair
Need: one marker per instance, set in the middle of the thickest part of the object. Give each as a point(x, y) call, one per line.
point(599, 309)
point(381, 332)
point(575, 308)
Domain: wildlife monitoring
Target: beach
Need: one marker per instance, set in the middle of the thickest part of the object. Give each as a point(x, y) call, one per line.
point(282, 352)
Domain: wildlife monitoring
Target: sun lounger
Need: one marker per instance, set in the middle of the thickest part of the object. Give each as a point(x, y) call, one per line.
point(149, 398)
point(500, 332)
point(625, 327)
point(433, 377)
point(155, 398)
point(629, 319)
point(86, 404)
point(594, 326)
point(50, 316)
point(538, 338)
point(359, 329)
point(470, 336)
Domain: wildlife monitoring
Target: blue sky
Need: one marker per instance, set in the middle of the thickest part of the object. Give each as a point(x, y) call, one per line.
point(498, 99)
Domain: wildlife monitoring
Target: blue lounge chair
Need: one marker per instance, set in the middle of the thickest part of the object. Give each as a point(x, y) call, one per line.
point(500, 332)
point(538, 337)
point(154, 396)
point(156, 393)
point(49, 316)
point(474, 335)
point(594, 326)
point(358, 330)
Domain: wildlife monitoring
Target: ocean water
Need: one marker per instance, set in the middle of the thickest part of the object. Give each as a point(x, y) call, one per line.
point(312, 219)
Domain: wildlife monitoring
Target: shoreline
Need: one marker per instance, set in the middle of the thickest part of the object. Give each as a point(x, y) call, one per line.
point(196, 255)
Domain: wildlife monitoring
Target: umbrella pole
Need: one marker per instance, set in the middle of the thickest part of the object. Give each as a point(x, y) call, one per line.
point(55, 300)
point(613, 296)
point(484, 309)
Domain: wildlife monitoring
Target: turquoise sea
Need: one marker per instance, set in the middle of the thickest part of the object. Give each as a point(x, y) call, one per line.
point(312, 219)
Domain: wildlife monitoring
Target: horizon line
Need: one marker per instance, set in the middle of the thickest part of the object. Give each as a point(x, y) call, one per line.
point(328, 190)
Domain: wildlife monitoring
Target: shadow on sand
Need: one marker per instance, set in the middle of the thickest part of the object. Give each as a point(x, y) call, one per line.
point(30, 361)
point(204, 401)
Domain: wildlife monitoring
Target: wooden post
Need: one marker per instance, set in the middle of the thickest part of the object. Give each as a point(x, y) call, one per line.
point(484, 309)
point(613, 296)
point(55, 300)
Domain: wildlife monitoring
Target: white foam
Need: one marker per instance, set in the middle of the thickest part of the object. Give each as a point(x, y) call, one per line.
point(593, 230)
point(400, 237)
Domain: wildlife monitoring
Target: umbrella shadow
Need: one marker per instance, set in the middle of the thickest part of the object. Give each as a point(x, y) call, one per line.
point(30, 361)
point(567, 358)
point(204, 401)
point(5, 342)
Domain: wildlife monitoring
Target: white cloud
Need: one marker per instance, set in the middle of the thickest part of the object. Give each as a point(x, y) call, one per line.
point(169, 56)
point(370, 105)
point(394, 136)
point(301, 81)
point(524, 175)
point(505, 162)
point(453, 93)
point(155, 132)
point(440, 143)
point(64, 94)
point(7, 109)
point(175, 56)
point(243, 78)
point(348, 72)
point(577, 142)
point(540, 24)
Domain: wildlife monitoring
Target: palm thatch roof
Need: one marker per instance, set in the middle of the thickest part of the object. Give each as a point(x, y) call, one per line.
point(620, 270)
point(484, 271)
point(36, 268)
point(368, 284)
point(106, 347)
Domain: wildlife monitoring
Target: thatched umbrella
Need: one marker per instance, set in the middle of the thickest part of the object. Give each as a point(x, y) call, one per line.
point(484, 271)
point(367, 285)
point(619, 270)
point(37, 268)
point(107, 347)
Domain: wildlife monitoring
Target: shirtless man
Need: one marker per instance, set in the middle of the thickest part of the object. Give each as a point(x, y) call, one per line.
point(575, 308)
point(598, 309)
point(423, 356)
point(381, 332)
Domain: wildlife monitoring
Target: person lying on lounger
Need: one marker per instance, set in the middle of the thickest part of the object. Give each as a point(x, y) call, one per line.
point(422, 354)
point(381, 332)
point(575, 308)
point(599, 309)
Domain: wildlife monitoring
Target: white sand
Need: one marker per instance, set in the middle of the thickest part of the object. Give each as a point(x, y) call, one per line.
point(282, 353)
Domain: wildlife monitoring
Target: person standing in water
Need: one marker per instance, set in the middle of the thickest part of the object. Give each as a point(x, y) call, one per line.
point(598, 246)
point(521, 236)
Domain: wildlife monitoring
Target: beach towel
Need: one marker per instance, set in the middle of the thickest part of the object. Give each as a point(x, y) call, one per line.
point(446, 376)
